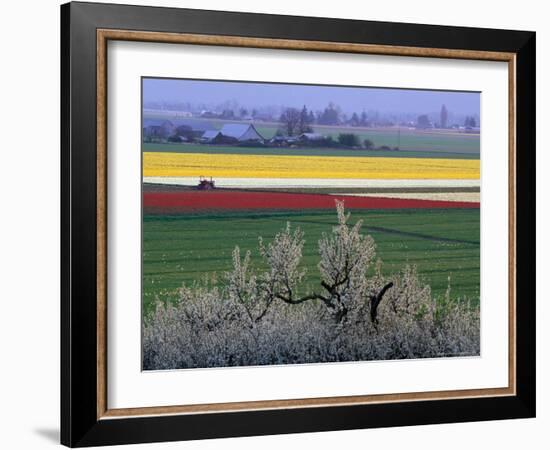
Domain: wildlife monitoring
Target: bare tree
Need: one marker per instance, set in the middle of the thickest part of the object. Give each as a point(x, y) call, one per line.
point(290, 120)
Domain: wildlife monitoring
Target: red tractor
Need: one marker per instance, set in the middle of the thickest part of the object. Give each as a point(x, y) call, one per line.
point(205, 184)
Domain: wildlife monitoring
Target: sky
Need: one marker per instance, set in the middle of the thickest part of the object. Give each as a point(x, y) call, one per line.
point(350, 99)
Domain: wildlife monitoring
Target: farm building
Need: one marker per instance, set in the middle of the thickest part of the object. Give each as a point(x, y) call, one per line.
point(193, 129)
point(157, 128)
point(242, 132)
point(283, 141)
point(311, 137)
point(167, 112)
point(210, 135)
point(186, 129)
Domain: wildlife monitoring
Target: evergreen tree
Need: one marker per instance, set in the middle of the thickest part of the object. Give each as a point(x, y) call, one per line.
point(470, 121)
point(304, 123)
point(443, 116)
point(330, 116)
point(423, 121)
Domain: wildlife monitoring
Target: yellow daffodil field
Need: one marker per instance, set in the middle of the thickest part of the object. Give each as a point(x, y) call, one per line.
point(160, 164)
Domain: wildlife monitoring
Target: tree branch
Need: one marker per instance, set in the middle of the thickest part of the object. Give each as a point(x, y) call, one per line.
point(306, 298)
point(375, 302)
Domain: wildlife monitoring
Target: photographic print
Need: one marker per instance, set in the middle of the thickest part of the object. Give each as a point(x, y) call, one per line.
point(293, 223)
point(294, 214)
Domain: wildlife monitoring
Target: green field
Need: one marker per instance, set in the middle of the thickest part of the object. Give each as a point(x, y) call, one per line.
point(235, 150)
point(404, 139)
point(182, 249)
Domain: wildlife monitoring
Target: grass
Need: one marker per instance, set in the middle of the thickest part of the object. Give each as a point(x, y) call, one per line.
point(182, 249)
point(405, 139)
point(235, 150)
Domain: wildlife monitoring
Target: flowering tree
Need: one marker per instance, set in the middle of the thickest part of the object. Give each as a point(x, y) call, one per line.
point(345, 257)
point(260, 316)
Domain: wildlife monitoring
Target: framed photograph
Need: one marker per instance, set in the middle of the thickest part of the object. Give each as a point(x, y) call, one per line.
point(277, 224)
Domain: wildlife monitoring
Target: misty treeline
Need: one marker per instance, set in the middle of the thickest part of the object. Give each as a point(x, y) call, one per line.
point(260, 316)
point(332, 114)
point(295, 122)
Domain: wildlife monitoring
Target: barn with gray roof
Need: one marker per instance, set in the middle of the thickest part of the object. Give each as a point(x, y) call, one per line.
point(241, 131)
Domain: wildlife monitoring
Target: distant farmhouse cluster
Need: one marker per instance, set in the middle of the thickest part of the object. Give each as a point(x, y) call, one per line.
point(182, 131)
point(155, 130)
point(295, 128)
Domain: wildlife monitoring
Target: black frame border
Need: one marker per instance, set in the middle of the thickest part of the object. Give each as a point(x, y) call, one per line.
point(79, 424)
